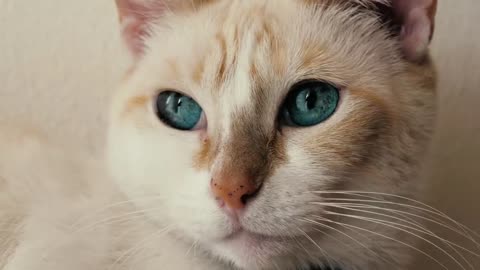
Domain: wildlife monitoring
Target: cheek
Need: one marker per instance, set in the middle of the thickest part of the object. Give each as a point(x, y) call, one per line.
point(192, 208)
point(288, 195)
point(146, 160)
point(156, 164)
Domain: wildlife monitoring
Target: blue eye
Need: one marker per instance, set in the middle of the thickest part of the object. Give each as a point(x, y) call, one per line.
point(310, 103)
point(178, 111)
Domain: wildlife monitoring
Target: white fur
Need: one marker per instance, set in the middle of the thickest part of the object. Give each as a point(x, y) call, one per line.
point(151, 167)
point(157, 160)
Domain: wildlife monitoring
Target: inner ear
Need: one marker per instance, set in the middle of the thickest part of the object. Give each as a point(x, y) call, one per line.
point(413, 22)
point(136, 17)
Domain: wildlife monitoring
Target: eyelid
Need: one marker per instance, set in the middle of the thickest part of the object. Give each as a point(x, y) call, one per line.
point(202, 123)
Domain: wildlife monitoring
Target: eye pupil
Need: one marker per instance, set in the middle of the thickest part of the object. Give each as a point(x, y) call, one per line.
point(310, 103)
point(178, 111)
point(311, 100)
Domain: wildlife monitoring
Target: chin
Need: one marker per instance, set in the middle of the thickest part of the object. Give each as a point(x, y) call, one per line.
point(247, 250)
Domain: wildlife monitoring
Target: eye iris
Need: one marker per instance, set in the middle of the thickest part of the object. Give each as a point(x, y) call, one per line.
point(178, 111)
point(310, 104)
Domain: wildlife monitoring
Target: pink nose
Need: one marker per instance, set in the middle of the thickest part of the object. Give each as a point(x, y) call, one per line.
point(234, 191)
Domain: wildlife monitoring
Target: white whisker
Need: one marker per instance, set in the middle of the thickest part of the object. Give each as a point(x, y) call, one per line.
point(325, 254)
point(386, 237)
point(362, 204)
point(398, 227)
point(118, 218)
point(275, 265)
point(345, 234)
point(416, 224)
point(464, 228)
point(110, 206)
point(302, 246)
point(192, 247)
point(130, 252)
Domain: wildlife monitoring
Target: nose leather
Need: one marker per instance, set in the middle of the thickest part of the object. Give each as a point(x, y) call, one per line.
point(233, 190)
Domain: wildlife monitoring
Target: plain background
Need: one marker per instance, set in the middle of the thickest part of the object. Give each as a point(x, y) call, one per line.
point(60, 60)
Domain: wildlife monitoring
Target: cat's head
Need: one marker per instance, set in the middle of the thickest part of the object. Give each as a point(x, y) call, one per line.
point(261, 129)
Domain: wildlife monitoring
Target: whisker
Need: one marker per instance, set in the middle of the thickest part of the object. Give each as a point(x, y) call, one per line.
point(386, 237)
point(302, 246)
point(192, 247)
point(376, 198)
point(465, 234)
point(131, 251)
point(111, 220)
point(440, 213)
point(117, 218)
point(355, 206)
point(325, 254)
point(345, 234)
point(398, 227)
point(275, 265)
point(430, 219)
point(110, 206)
point(403, 213)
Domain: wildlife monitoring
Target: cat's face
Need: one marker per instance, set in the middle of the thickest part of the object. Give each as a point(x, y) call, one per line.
point(280, 105)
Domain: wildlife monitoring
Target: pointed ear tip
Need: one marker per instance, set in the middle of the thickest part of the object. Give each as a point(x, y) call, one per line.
point(433, 10)
point(120, 4)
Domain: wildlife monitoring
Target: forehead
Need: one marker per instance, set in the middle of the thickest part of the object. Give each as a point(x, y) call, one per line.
point(222, 52)
point(246, 54)
point(284, 37)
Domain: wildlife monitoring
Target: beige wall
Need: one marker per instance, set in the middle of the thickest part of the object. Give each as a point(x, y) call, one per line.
point(60, 60)
point(455, 169)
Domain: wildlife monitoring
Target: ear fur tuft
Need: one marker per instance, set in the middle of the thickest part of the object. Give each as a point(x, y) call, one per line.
point(414, 22)
point(136, 17)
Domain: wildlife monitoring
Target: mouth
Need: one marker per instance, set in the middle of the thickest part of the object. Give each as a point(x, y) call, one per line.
point(244, 239)
point(251, 244)
point(248, 248)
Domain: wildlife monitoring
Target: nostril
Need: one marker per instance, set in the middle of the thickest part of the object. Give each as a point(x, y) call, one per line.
point(248, 196)
point(245, 198)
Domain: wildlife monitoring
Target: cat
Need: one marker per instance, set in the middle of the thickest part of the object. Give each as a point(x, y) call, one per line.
point(248, 134)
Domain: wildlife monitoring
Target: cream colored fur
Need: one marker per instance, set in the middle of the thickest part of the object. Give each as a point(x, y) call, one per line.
point(152, 208)
point(58, 209)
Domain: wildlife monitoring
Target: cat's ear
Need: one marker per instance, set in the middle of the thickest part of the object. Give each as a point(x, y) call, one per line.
point(416, 21)
point(136, 17)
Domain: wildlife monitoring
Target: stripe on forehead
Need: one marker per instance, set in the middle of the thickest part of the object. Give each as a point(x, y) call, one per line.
point(243, 38)
point(247, 121)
